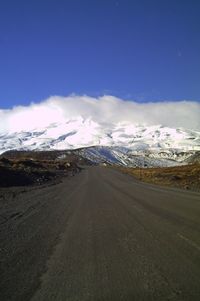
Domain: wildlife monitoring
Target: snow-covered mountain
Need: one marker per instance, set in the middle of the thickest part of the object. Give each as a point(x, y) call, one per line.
point(122, 142)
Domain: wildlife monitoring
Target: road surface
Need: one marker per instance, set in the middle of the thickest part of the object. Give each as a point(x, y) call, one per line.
point(100, 235)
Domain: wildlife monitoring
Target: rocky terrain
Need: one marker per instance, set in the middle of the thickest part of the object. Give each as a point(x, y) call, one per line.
point(26, 171)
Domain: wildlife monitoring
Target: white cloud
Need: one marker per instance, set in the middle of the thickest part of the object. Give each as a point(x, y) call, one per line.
point(107, 109)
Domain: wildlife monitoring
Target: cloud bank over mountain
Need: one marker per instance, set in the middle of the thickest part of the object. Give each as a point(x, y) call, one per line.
point(106, 109)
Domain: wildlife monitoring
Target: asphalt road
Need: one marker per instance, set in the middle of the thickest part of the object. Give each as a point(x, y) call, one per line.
point(100, 235)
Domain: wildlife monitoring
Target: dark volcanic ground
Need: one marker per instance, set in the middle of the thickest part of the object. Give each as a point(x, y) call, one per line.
point(100, 235)
point(25, 172)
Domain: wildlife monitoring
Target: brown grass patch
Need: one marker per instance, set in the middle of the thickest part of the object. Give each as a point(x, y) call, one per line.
point(186, 177)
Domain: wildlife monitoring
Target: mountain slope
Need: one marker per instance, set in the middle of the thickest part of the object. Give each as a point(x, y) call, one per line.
point(121, 143)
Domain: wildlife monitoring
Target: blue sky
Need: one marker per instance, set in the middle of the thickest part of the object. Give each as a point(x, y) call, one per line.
point(139, 50)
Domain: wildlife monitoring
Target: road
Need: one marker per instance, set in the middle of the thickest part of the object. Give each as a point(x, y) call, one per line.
point(100, 235)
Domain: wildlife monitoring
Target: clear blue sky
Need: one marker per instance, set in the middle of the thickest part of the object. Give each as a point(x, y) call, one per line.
point(142, 50)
